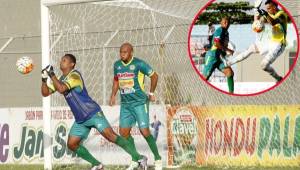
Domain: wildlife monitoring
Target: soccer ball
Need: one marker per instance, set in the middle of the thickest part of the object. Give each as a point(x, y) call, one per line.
point(258, 26)
point(24, 65)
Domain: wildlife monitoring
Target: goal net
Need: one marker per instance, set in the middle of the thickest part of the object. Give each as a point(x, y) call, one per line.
point(94, 30)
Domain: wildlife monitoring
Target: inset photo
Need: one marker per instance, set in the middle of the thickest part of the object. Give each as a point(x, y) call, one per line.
point(243, 48)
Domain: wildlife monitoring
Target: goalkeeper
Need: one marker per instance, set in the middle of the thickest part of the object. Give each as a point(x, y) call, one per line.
point(88, 114)
point(276, 45)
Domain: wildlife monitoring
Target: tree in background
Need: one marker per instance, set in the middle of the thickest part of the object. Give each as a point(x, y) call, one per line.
point(240, 13)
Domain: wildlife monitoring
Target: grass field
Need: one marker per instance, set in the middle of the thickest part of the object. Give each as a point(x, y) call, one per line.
point(82, 167)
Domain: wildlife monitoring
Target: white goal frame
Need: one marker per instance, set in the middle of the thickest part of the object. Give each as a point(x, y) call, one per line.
point(46, 49)
point(45, 34)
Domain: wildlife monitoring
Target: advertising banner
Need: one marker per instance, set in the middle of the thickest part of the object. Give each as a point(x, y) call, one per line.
point(234, 135)
point(21, 136)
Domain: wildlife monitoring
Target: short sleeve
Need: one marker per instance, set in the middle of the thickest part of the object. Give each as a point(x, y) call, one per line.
point(217, 34)
point(146, 69)
point(279, 15)
point(73, 80)
point(115, 72)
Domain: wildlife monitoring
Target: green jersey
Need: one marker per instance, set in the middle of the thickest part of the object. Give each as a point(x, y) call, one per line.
point(131, 77)
point(220, 35)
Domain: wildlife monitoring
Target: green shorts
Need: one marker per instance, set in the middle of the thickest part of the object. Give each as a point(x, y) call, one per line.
point(129, 115)
point(212, 61)
point(82, 130)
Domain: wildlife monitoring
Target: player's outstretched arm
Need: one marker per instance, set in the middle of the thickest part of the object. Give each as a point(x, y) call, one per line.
point(115, 88)
point(154, 80)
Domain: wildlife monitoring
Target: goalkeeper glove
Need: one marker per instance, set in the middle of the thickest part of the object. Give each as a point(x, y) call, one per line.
point(262, 12)
point(44, 75)
point(256, 13)
point(50, 71)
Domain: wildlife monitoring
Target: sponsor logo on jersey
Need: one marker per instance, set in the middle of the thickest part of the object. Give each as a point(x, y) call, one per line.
point(125, 75)
point(127, 91)
point(126, 83)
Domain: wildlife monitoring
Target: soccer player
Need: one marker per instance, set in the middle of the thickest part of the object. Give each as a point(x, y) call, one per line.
point(271, 51)
point(88, 114)
point(219, 48)
point(129, 75)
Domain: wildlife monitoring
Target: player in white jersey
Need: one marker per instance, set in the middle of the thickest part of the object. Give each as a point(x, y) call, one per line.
point(274, 48)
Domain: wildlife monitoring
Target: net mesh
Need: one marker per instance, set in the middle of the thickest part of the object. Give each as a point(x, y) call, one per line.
point(93, 32)
point(158, 30)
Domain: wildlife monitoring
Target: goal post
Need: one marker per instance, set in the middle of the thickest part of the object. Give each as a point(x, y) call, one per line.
point(93, 31)
point(158, 30)
point(46, 100)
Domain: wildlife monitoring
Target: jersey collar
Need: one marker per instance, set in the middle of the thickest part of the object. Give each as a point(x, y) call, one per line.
point(64, 77)
point(128, 62)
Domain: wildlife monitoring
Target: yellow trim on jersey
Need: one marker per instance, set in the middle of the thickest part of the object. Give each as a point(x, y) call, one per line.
point(278, 30)
point(73, 80)
point(278, 14)
point(128, 62)
point(141, 77)
point(214, 47)
point(68, 85)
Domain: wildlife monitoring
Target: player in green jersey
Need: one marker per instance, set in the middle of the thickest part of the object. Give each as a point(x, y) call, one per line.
point(129, 74)
point(219, 48)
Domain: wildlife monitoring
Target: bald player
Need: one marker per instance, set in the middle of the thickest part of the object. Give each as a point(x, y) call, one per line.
point(129, 74)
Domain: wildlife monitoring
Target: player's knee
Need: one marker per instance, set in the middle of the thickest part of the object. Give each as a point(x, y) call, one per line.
point(124, 133)
point(72, 145)
point(110, 137)
point(145, 132)
point(109, 134)
point(228, 72)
